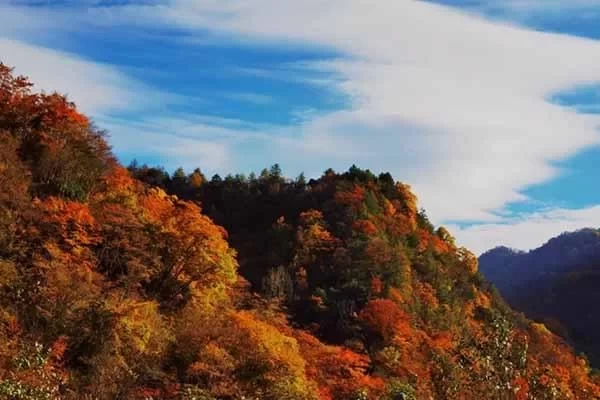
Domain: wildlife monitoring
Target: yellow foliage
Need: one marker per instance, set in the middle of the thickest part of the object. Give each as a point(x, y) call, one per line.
point(141, 330)
point(8, 273)
point(262, 344)
point(540, 329)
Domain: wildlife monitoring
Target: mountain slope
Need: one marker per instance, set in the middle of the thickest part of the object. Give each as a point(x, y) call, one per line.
point(556, 283)
point(355, 262)
point(112, 288)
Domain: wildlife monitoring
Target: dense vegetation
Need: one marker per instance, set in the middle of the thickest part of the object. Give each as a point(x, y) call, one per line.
point(556, 283)
point(117, 284)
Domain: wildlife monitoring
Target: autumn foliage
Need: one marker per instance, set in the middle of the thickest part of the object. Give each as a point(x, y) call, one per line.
point(124, 284)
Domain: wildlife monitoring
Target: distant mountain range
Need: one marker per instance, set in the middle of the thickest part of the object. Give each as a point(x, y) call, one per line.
point(557, 283)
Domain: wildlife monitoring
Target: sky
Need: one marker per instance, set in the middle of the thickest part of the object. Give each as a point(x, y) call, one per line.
point(490, 110)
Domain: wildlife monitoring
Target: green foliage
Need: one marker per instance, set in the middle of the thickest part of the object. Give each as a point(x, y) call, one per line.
point(423, 221)
point(190, 392)
point(14, 390)
point(361, 394)
point(71, 172)
point(398, 390)
point(32, 378)
point(372, 203)
point(31, 359)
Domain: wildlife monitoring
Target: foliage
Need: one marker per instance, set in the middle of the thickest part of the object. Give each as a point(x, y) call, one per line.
point(124, 284)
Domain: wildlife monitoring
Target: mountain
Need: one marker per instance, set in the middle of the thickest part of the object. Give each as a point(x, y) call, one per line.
point(557, 283)
point(138, 284)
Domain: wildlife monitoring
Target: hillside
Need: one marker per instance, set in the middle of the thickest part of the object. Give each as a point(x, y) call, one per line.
point(556, 283)
point(117, 284)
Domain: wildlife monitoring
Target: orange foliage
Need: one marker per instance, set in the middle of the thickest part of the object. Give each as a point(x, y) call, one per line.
point(424, 239)
point(427, 294)
point(376, 285)
point(521, 388)
point(409, 200)
point(396, 296)
point(443, 341)
point(468, 259)
point(313, 235)
point(71, 223)
point(117, 183)
point(60, 111)
point(338, 372)
point(388, 208)
point(58, 348)
point(400, 225)
point(311, 217)
point(365, 227)
point(382, 317)
point(353, 198)
point(439, 245)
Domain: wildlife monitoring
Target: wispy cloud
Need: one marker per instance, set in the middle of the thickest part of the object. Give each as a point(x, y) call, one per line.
point(94, 86)
point(187, 141)
point(21, 22)
point(450, 102)
point(171, 143)
point(457, 105)
point(529, 231)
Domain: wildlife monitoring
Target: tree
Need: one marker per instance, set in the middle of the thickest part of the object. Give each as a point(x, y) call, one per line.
point(275, 171)
point(301, 180)
point(381, 317)
point(195, 255)
point(196, 178)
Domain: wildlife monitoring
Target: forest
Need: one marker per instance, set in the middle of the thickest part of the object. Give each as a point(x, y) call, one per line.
point(132, 283)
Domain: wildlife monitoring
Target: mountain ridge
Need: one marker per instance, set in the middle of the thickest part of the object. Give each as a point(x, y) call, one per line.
point(553, 284)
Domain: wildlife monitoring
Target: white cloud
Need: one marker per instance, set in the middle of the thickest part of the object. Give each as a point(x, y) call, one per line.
point(29, 37)
point(529, 232)
point(98, 89)
point(94, 87)
point(187, 141)
point(450, 102)
point(21, 22)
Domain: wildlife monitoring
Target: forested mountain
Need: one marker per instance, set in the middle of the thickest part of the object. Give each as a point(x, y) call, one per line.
point(558, 283)
point(117, 284)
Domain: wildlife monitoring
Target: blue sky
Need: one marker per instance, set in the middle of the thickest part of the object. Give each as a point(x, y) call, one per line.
point(489, 109)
